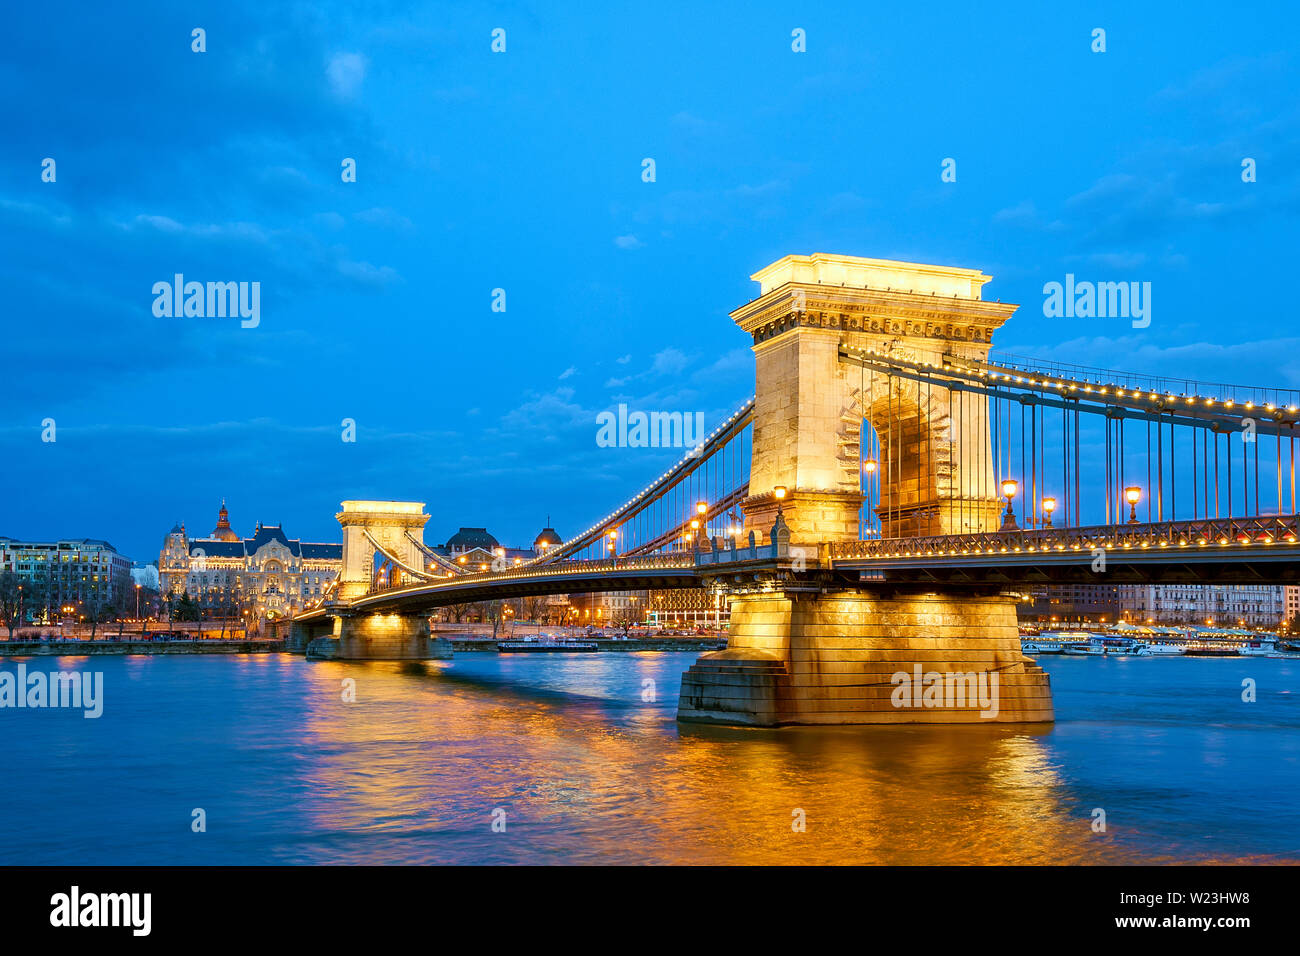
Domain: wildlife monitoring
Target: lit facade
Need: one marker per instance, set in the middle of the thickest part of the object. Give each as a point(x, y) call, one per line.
point(87, 574)
point(1251, 605)
point(269, 574)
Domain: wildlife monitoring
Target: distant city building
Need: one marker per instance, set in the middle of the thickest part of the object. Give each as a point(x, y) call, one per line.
point(146, 576)
point(477, 549)
point(270, 574)
point(687, 607)
point(88, 574)
point(1252, 605)
point(1072, 603)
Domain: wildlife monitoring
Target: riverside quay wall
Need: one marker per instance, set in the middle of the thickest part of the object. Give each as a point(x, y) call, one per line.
point(102, 648)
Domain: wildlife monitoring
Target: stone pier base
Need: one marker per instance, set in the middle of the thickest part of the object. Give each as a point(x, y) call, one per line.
point(388, 637)
point(861, 658)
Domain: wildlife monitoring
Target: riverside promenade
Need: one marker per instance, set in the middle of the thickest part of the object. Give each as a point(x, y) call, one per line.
point(65, 647)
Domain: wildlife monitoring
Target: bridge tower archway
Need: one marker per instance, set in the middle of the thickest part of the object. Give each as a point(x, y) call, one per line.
point(397, 526)
point(810, 406)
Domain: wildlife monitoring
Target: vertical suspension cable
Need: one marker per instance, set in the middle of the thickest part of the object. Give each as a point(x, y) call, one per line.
point(1205, 469)
point(1160, 470)
point(1078, 497)
point(1227, 453)
point(1106, 512)
point(1065, 465)
point(893, 447)
point(1023, 470)
point(1033, 455)
point(1150, 487)
point(1216, 474)
point(1256, 444)
point(932, 471)
point(1173, 477)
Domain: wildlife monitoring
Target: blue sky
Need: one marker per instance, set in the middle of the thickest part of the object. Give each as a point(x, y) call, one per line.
point(522, 171)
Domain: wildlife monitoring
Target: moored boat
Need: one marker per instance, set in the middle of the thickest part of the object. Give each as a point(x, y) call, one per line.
point(544, 647)
point(1159, 649)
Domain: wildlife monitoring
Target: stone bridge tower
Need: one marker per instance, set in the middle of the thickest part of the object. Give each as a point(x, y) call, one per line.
point(936, 456)
point(821, 652)
point(387, 522)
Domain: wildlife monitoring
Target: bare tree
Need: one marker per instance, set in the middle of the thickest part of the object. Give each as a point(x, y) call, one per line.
point(533, 607)
point(494, 615)
point(97, 607)
point(10, 600)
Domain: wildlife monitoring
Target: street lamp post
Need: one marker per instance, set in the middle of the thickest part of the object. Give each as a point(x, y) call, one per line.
point(779, 493)
point(1049, 505)
point(1132, 494)
point(1009, 488)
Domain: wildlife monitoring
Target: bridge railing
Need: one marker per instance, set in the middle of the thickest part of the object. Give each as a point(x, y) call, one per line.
point(559, 568)
point(725, 550)
point(1205, 532)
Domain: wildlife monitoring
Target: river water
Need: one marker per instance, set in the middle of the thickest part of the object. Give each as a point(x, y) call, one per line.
point(564, 750)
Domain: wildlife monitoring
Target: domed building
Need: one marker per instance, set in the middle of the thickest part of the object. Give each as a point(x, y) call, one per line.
point(269, 574)
point(548, 539)
point(223, 531)
point(467, 539)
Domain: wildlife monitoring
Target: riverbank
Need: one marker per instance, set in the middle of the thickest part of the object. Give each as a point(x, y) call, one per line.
point(605, 644)
point(71, 648)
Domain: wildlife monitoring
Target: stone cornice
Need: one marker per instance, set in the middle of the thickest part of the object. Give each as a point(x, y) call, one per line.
point(879, 311)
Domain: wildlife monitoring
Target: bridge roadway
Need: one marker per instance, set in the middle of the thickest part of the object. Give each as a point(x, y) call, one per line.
point(1248, 550)
point(570, 577)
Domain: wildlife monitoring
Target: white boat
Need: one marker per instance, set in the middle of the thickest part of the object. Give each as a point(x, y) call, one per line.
point(1158, 649)
point(1084, 649)
point(1041, 645)
point(1264, 647)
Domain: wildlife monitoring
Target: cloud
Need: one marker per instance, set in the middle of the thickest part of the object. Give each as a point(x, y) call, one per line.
point(1025, 215)
point(366, 273)
point(1121, 261)
point(669, 362)
point(384, 217)
point(346, 71)
point(568, 372)
point(628, 242)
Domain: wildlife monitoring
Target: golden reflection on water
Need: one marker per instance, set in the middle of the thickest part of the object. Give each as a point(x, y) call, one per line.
point(413, 770)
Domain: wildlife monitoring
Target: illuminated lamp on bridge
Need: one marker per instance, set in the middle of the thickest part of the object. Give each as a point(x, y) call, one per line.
point(1049, 505)
point(1132, 494)
point(1009, 488)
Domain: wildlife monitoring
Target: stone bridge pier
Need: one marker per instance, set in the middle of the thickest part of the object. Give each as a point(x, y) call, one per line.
point(365, 636)
point(803, 649)
point(396, 527)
